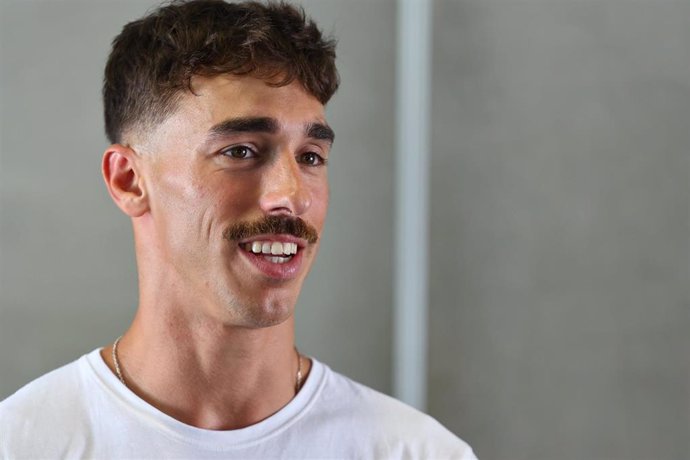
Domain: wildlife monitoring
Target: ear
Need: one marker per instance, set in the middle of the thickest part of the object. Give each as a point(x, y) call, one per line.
point(124, 181)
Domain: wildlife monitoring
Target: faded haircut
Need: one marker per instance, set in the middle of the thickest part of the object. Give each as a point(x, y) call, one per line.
point(153, 60)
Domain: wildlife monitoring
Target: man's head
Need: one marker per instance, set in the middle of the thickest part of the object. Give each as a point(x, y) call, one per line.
point(220, 145)
point(153, 60)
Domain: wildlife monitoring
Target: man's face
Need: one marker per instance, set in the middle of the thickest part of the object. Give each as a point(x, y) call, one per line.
point(235, 153)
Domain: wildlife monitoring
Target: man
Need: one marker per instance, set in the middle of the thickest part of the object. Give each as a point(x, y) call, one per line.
point(219, 150)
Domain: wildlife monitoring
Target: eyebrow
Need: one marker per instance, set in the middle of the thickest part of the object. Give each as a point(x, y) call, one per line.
point(320, 131)
point(314, 130)
point(244, 125)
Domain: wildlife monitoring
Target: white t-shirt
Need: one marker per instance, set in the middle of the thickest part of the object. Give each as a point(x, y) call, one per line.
point(82, 410)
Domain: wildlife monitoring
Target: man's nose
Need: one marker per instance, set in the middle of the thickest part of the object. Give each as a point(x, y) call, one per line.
point(284, 190)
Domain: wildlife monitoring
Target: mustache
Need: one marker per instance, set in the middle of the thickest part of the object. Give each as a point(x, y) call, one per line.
point(272, 225)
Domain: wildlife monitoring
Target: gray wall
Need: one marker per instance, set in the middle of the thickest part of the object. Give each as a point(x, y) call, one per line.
point(560, 243)
point(559, 251)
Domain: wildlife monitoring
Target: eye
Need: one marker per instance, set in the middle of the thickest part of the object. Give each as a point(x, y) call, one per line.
point(239, 152)
point(312, 159)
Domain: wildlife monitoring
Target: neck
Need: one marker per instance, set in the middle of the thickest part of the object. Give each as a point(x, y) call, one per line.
point(208, 375)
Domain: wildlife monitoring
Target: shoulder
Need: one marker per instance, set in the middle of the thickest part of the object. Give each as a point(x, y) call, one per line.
point(393, 428)
point(46, 405)
point(46, 392)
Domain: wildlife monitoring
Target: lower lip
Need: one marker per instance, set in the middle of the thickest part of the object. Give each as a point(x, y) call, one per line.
point(281, 272)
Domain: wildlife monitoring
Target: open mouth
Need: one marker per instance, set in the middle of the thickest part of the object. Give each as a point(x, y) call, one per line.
point(276, 252)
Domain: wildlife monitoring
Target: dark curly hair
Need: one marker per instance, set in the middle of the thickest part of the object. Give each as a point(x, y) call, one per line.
point(154, 58)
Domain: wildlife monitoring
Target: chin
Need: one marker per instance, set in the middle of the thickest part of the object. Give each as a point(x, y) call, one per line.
point(257, 315)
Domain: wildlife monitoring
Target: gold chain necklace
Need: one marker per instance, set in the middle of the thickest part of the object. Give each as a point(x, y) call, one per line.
point(118, 371)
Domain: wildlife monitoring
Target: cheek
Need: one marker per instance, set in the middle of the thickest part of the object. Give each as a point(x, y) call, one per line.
point(319, 205)
point(219, 201)
point(184, 202)
point(180, 203)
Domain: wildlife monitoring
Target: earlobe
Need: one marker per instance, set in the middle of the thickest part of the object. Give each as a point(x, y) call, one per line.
point(124, 181)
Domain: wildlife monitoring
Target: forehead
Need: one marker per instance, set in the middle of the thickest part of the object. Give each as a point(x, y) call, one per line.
point(216, 98)
point(219, 98)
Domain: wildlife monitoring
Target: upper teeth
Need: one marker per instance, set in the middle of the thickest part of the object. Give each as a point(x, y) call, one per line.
point(275, 248)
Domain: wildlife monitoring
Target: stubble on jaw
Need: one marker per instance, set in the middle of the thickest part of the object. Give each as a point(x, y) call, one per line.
point(247, 314)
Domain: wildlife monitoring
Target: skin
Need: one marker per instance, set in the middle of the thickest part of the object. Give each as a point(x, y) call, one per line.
point(212, 341)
